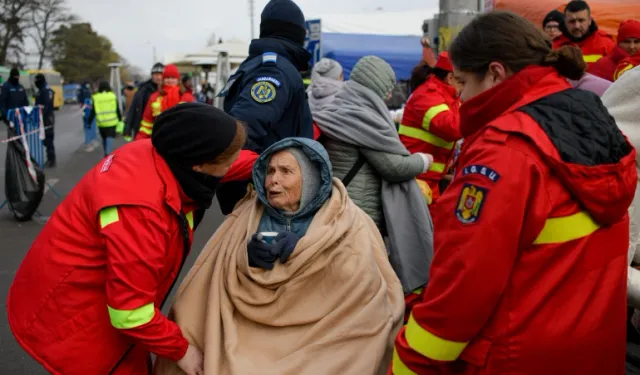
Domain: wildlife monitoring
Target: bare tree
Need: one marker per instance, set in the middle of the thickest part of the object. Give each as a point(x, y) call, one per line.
point(15, 20)
point(47, 16)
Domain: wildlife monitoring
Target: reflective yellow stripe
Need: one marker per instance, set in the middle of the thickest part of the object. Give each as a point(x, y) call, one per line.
point(108, 216)
point(417, 291)
point(620, 72)
point(437, 167)
point(430, 345)
point(567, 228)
point(425, 136)
point(431, 113)
point(127, 319)
point(189, 216)
point(146, 130)
point(398, 367)
point(146, 123)
point(592, 58)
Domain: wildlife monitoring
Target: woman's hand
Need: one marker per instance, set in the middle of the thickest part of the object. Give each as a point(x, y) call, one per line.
point(193, 361)
point(428, 160)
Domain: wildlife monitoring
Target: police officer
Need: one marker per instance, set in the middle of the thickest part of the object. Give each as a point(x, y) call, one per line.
point(44, 98)
point(267, 91)
point(12, 95)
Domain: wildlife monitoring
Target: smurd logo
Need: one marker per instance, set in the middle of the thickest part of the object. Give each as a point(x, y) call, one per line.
point(107, 164)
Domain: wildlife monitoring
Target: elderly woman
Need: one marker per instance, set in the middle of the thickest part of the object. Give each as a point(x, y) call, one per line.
point(312, 300)
point(367, 154)
point(327, 78)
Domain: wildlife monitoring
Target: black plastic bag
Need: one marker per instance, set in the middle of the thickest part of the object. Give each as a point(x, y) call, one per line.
point(24, 186)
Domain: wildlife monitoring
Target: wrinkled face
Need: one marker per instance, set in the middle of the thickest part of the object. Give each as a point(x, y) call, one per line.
point(578, 23)
point(284, 182)
point(170, 82)
point(157, 78)
point(631, 45)
point(471, 85)
point(552, 29)
point(217, 169)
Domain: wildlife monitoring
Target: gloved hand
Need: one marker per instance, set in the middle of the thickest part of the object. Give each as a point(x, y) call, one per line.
point(260, 253)
point(287, 242)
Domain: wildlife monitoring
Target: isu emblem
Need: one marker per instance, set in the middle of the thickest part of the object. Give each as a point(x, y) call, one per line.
point(470, 203)
point(263, 92)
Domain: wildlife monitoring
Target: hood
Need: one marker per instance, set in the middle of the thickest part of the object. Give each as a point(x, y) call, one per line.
point(592, 158)
point(297, 55)
point(322, 87)
point(318, 156)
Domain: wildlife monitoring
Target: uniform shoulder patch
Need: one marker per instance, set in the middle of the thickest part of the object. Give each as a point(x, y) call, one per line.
point(469, 207)
point(269, 57)
point(482, 170)
point(263, 92)
point(268, 79)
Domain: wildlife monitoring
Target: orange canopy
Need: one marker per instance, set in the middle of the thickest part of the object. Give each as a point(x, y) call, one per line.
point(607, 13)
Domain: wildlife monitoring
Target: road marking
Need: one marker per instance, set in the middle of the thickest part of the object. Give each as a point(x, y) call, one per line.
point(50, 182)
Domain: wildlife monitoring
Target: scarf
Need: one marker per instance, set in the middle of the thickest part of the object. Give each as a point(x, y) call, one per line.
point(359, 117)
point(170, 97)
point(198, 186)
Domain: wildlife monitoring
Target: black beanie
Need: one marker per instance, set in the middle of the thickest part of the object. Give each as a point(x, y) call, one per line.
point(554, 15)
point(283, 19)
point(192, 133)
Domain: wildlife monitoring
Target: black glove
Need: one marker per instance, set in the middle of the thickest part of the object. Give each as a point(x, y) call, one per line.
point(261, 254)
point(287, 242)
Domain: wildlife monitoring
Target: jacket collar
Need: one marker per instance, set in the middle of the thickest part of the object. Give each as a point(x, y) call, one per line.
point(524, 87)
point(438, 85)
point(297, 55)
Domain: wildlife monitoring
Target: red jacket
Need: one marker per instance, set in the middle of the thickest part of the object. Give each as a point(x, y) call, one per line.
point(626, 64)
point(594, 47)
point(94, 278)
point(529, 273)
point(153, 110)
point(431, 124)
point(606, 66)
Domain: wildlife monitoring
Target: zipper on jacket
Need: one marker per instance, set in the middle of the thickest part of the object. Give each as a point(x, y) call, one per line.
point(288, 225)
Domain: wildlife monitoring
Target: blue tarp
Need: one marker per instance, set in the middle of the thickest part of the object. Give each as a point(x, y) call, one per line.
point(403, 53)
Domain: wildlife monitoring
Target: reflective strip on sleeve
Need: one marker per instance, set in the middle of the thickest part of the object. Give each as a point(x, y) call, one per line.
point(437, 167)
point(146, 124)
point(591, 58)
point(425, 136)
point(417, 291)
point(567, 228)
point(127, 319)
point(398, 367)
point(620, 72)
point(430, 345)
point(108, 216)
point(431, 113)
point(189, 217)
point(146, 130)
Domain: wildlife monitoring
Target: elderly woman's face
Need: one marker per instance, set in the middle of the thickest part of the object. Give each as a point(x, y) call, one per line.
point(284, 182)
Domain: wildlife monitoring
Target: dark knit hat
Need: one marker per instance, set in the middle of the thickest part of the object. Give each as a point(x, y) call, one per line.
point(283, 19)
point(554, 15)
point(193, 133)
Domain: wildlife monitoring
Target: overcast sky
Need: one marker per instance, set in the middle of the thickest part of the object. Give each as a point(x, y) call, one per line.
point(135, 26)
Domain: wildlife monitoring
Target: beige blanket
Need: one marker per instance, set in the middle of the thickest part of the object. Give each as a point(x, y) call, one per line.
point(334, 307)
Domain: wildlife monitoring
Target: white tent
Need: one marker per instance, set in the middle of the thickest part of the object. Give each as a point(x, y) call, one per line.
point(379, 23)
point(238, 51)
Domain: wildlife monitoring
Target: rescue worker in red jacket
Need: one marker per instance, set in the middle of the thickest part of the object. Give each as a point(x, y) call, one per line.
point(87, 297)
point(609, 67)
point(430, 123)
point(531, 237)
point(629, 36)
point(166, 97)
point(581, 30)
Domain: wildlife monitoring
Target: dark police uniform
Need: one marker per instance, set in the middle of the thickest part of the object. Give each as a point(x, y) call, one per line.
point(12, 96)
point(267, 94)
point(45, 99)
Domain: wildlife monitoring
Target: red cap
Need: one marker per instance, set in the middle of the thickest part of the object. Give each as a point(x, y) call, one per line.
point(444, 62)
point(628, 29)
point(171, 71)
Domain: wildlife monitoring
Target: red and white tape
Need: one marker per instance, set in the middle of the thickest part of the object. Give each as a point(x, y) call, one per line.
point(22, 135)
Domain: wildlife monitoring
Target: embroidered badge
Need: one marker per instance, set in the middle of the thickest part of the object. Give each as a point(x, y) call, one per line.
point(269, 57)
point(263, 92)
point(269, 79)
point(107, 164)
point(470, 203)
point(481, 170)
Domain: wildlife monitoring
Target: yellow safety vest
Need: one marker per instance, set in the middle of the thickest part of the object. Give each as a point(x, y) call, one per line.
point(105, 104)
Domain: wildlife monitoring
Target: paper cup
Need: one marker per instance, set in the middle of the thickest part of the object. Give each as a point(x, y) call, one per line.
point(269, 237)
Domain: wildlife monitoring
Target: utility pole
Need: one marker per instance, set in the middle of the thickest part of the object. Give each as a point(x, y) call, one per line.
point(454, 15)
point(251, 18)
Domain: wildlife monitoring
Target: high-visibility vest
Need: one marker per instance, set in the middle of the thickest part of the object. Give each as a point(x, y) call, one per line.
point(105, 105)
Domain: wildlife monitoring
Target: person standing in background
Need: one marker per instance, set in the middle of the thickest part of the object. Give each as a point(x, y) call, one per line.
point(129, 92)
point(106, 113)
point(629, 37)
point(628, 45)
point(140, 100)
point(327, 78)
point(12, 94)
point(580, 30)
point(552, 23)
point(44, 98)
point(186, 88)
